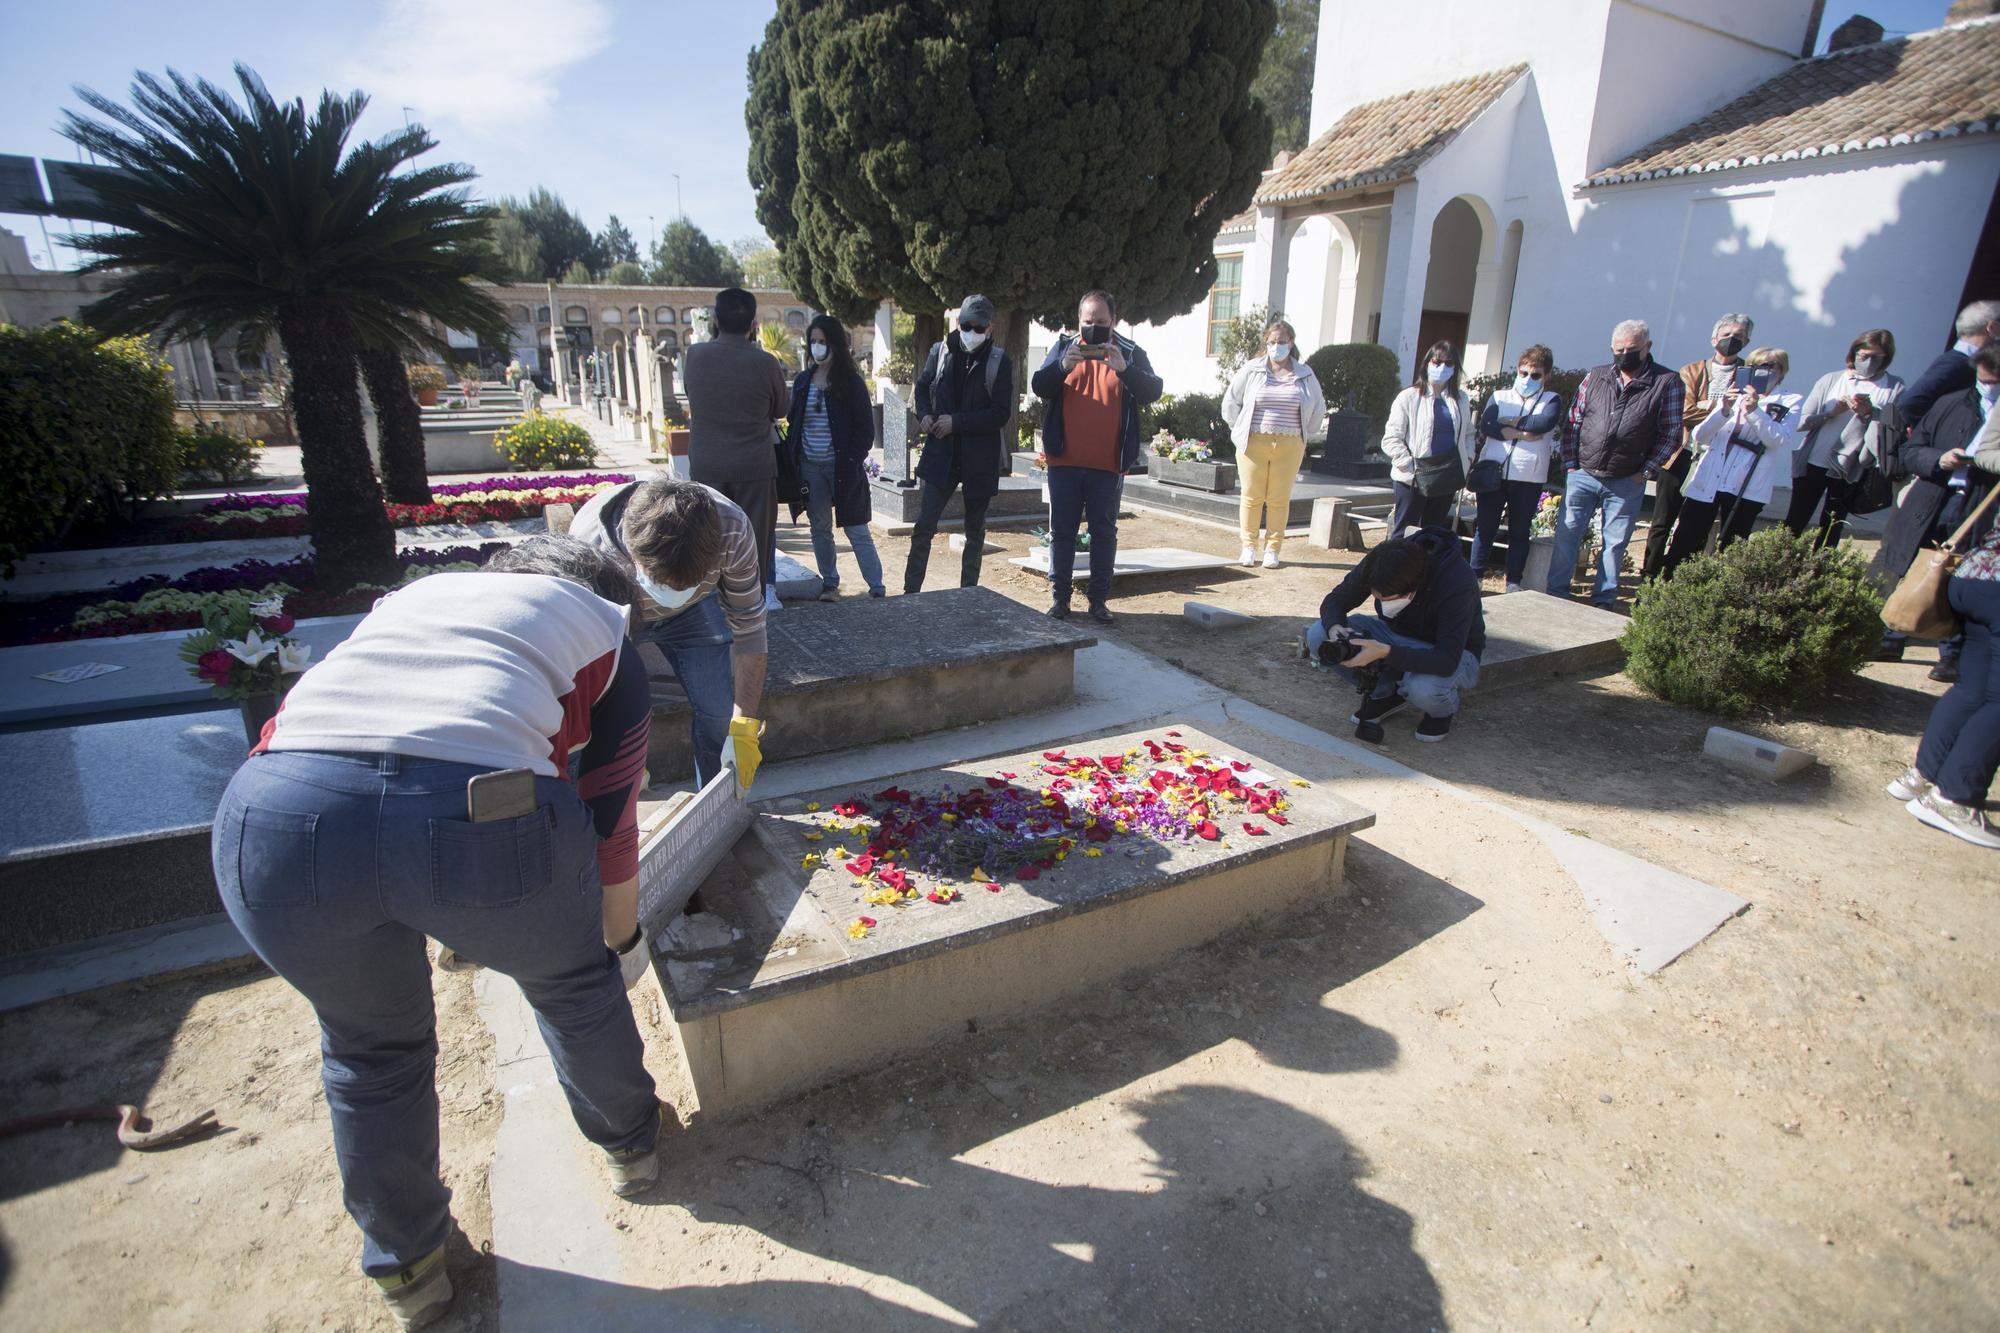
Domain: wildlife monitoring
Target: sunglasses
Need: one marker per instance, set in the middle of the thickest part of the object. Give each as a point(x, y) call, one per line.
point(972, 328)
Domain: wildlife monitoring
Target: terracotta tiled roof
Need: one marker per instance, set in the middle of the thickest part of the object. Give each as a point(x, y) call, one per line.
point(1244, 221)
point(1380, 142)
point(1929, 85)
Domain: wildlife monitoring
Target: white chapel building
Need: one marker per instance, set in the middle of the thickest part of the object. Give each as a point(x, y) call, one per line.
point(1500, 175)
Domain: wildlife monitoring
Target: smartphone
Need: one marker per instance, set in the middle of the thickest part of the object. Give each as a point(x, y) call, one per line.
point(1865, 399)
point(1092, 351)
point(506, 793)
point(1757, 378)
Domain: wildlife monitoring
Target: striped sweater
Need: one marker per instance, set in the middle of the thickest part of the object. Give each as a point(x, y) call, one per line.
point(601, 523)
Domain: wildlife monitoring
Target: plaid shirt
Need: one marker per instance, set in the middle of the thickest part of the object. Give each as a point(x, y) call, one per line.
point(1673, 403)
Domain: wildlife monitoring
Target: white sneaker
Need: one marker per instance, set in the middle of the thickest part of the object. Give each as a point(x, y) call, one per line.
point(1248, 557)
point(420, 1293)
point(771, 599)
point(1270, 559)
point(1909, 785)
point(1961, 821)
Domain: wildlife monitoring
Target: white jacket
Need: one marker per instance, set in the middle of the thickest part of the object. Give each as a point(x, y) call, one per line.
point(1734, 470)
point(1239, 405)
point(1407, 435)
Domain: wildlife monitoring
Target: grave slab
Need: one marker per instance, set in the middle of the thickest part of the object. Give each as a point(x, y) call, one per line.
point(1770, 760)
point(1188, 503)
point(1140, 560)
point(150, 675)
point(796, 583)
point(864, 670)
point(1531, 636)
point(774, 989)
point(1215, 617)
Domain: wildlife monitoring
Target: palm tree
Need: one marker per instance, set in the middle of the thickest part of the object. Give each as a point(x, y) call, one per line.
point(224, 216)
point(400, 438)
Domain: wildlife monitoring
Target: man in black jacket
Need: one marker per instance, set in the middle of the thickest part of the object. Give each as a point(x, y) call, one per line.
point(1423, 644)
point(965, 396)
point(1944, 457)
point(1952, 371)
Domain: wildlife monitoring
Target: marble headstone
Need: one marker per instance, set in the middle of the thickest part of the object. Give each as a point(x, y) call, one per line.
point(895, 436)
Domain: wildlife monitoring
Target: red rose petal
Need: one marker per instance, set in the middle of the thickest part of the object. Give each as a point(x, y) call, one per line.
point(1277, 818)
point(1173, 733)
point(1052, 754)
point(996, 782)
point(993, 888)
point(1239, 766)
point(1027, 871)
point(1254, 830)
point(1207, 831)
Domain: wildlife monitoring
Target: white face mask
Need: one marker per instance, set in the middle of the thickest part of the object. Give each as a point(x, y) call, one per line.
point(670, 599)
point(1281, 351)
point(1394, 606)
point(820, 351)
point(1440, 374)
point(971, 341)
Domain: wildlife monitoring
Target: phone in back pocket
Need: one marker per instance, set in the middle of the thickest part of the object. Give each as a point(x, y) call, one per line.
point(506, 793)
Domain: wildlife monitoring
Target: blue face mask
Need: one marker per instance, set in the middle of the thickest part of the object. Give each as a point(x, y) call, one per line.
point(670, 599)
point(1527, 385)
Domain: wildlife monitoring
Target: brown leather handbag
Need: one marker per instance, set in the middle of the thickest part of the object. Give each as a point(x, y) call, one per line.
point(1920, 605)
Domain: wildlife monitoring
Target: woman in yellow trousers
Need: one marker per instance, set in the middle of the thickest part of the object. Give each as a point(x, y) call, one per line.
point(1274, 405)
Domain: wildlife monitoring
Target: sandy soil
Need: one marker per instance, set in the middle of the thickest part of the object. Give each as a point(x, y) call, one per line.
point(1438, 1100)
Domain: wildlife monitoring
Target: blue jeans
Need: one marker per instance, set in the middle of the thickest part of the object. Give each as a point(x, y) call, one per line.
point(1434, 696)
point(335, 867)
point(1518, 500)
point(1082, 494)
point(1620, 499)
point(1961, 746)
point(819, 513)
point(697, 646)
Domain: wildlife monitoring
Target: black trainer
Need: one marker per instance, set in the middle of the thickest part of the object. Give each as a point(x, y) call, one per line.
point(1946, 670)
point(1370, 733)
point(1889, 650)
point(1058, 611)
point(1100, 613)
point(1375, 710)
point(1434, 728)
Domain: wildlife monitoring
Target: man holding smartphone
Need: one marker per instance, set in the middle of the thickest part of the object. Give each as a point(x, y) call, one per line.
point(1093, 384)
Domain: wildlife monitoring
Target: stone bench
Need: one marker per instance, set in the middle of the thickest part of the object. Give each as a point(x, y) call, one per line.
point(866, 669)
point(771, 992)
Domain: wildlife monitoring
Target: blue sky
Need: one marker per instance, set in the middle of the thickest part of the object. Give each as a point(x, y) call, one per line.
point(603, 101)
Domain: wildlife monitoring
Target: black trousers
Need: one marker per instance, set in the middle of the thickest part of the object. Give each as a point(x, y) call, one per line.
point(1666, 508)
point(759, 502)
point(1424, 511)
point(931, 509)
point(1698, 519)
point(1808, 489)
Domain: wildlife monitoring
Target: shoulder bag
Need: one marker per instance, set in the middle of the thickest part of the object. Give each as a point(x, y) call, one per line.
point(1439, 474)
point(1920, 605)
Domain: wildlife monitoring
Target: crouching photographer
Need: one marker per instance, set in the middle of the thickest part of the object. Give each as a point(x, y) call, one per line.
point(1421, 646)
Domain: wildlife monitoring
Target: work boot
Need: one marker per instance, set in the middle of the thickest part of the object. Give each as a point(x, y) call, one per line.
point(418, 1294)
point(1058, 610)
point(1946, 670)
point(1101, 613)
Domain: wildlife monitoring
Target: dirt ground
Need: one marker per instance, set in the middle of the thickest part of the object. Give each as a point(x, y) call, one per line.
point(1436, 1101)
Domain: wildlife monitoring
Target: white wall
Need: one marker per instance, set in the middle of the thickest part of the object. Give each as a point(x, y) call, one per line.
point(1876, 239)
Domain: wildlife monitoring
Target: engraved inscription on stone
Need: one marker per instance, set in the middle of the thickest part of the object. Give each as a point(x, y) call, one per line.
point(895, 437)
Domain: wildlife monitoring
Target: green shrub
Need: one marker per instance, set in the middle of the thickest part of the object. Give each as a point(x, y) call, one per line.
point(1028, 421)
point(211, 453)
point(1192, 416)
point(86, 430)
point(538, 442)
point(424, 375)
point(1766, 625)
point(1563, 382)
point(1367, 371)
point(1241, 340)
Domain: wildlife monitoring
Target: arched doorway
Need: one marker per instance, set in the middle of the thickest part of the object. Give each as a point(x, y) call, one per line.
point(1457, 245)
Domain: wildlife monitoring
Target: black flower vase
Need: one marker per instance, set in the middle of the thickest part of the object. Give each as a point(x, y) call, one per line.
point(257, 710)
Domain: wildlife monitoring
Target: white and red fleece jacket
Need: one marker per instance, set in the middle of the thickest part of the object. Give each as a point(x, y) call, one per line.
point(494, 670)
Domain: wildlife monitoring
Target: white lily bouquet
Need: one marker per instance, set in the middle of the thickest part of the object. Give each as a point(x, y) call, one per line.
point(245, 648)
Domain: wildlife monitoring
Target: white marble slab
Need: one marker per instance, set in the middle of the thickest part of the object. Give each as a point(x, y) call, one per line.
point(1142, 560)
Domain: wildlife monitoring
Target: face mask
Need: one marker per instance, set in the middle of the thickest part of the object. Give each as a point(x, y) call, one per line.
point(1629, 360)
point(1867, 366)
point(820, 351)
point(1439, 374)
point(670, 599)
point(971, 341)
point(1094, 335)
point(1281, 351)
point(1527, 385)
point(1989, 391)
point(1729, 346)
point(1392, 607)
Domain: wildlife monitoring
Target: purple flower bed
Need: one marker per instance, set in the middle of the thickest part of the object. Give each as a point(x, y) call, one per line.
point(298, 573)
point(238, 503)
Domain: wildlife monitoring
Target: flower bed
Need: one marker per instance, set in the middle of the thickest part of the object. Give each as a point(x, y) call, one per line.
point(492, 500)
point(155, 603)
point(936, 846)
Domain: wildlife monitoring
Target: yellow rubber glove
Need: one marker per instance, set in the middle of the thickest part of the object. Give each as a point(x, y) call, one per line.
point(741, 751)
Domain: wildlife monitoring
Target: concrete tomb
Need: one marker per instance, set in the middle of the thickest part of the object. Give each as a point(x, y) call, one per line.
point(1532, 636)
point(1139, 560)
point(857, 925)
point(865, 670)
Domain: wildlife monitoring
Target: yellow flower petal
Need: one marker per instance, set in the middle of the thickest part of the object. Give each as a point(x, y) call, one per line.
point(814, 837)
point(811, 860)
point(811, 806)
point(1093, 851)
point(979, 875)
point(1300, 782)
